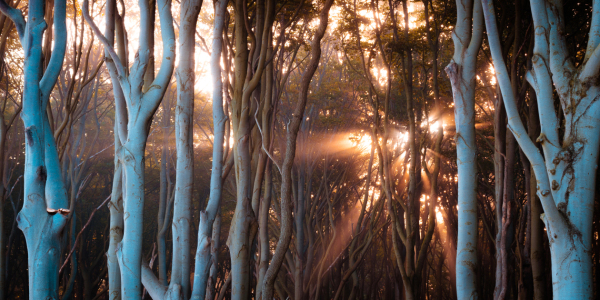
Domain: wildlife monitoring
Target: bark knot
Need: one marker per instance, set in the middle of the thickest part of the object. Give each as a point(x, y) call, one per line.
point(541, 138)
point(29, 135)
point(40, 172)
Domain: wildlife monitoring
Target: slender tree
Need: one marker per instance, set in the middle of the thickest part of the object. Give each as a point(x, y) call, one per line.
point(467, 37)
point(43, 216)
point(566, 171)
point(207, 217)
point(140, 108)
point(292, 133)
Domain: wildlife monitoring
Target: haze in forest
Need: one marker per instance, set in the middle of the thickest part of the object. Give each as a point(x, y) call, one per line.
point(299, 149)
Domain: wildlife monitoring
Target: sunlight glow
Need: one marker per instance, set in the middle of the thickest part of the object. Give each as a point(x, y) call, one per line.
point(492, 72)
point(438, 215)
point(380, 76)
point(412, 19)
point(362, 142)
point(433, 125)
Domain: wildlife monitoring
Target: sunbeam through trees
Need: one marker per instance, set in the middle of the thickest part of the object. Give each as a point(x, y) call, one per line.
point(299, 149)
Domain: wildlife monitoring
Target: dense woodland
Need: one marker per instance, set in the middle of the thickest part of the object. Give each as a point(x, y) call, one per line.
point(299, 149)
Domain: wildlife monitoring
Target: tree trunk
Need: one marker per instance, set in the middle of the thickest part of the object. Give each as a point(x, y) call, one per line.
point(116, 229)
point(566, 174)
point(45, 194)
point(132, 157)
point(461, 72)
point(163, 200)
point(207, 217)
point(214, 257)
point(180, 271)
point(137, 115)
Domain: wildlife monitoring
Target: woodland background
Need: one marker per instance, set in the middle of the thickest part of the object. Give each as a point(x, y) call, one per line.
point(378, 124)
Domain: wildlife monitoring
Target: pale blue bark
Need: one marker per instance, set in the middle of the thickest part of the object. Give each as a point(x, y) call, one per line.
point(566, 173)
point(116, 229)
point(156, 289)
point(164, 199)
point(467, 37)
point(140, 110)
point(45, 193)
point(180, 271)
point(116, 202)
point(214, 257)
point(207, 217)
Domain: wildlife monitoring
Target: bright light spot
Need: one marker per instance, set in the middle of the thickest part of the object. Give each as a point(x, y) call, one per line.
point(362, 142)
point(492, 71)
point(402, 137)
point(380, 75)
point(438, 216)
point(434, 126)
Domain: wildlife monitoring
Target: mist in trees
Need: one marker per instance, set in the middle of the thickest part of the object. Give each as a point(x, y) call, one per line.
point(300, 149)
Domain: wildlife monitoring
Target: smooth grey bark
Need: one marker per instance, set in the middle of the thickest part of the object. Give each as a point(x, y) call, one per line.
point(214, 257)
point(116, 201)
point(164, 199)
point(140, 108)
point(207, 217)
point(180, 272)
point(467, 37)
point(45, 206)
point(566, 173)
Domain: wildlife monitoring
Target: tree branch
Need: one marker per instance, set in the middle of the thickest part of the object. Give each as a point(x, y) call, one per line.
point(594, 34)
point(159, 85)
point(107, 46)
point(16, 16)
point(58, 52)
point(477, 35)
point(80, 232)
point(592, 66)
point(553, 219)
point(560, 65)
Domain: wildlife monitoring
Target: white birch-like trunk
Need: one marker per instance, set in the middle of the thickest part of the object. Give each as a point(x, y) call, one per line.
point(138, 113)
point(207, 217)
point(45, 205)
point(467, 38)
point(180, 271)
point(566, 172)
